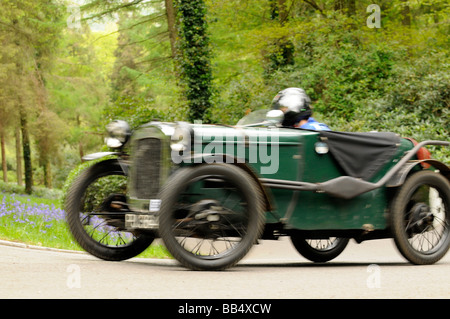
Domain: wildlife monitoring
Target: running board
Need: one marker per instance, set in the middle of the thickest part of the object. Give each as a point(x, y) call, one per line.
point(345, 187)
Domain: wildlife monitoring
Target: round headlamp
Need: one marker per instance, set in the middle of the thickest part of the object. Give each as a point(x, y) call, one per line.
point(182, 137)
point(118, 133)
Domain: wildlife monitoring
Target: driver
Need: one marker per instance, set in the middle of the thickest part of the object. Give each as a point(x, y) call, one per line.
point(296, 106)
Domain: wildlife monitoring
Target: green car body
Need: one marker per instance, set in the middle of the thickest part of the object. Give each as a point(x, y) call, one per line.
point(298, 161)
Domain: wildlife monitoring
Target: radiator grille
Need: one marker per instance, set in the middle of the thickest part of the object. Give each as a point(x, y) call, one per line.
point(146, 168)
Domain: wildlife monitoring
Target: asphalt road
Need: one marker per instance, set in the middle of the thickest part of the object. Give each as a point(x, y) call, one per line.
point(273, 269)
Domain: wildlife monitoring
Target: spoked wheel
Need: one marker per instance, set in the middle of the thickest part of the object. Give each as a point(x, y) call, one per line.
point(319, 250)
point(420, 218)
point(95, 211)
point(211, 215)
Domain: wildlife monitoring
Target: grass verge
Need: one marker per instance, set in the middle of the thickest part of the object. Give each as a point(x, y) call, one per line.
point(41, 222)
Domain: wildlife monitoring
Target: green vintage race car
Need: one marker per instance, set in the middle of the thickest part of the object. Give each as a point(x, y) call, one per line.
point(212, 191)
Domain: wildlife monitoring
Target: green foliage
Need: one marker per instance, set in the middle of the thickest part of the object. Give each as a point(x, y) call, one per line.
point(338, 71)
point(75, 172)
point(137, 111)
point(360, 79)
point(231, 57)
point(417, 105)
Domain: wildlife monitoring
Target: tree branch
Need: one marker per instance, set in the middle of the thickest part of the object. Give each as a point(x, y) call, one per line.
point(313, 4)
point(98, 15)
point(163, 33)
point(130, 27)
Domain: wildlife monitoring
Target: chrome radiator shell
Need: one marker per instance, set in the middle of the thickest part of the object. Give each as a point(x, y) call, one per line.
point(150, 164)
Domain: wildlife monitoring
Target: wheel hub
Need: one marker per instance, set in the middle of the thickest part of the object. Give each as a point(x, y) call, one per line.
point(421, 218)
point(206, 217)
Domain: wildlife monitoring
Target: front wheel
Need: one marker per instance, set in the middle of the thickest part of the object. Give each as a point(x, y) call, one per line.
point(211, 215)
point(420, 218)
point(95, 211)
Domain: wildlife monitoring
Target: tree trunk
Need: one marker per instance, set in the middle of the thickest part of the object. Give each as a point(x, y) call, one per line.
point(26, 152)
point(282, 49)
point(345, 6)
point(80, 142)
point(19, 171)
point(282, 11)
point(351, 8)
point(339, 5)
point(170, 13)
point(406, 14)
point(4, 167)
point(47, 173)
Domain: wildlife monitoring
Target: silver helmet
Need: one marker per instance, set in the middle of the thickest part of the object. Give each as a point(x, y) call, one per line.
point(292, 99)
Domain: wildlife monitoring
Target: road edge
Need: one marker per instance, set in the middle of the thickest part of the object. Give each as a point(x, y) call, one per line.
point(35, 247)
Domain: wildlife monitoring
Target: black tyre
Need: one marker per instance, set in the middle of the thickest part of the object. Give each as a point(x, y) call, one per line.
point(420, 218)
point(95, 211)
point(211, 215)
point(319, 250)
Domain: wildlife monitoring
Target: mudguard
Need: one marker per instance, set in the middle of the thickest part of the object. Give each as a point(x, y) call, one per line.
point(399, 178)
point(95, 156)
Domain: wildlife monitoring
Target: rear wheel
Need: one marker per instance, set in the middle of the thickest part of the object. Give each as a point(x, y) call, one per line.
point(420, 218)
point(211, 215)
point(319, 250)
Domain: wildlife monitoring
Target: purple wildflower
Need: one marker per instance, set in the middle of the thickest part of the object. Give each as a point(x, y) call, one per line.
point(21, 212)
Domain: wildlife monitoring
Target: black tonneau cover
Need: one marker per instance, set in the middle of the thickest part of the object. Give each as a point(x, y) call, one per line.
point(362, 155)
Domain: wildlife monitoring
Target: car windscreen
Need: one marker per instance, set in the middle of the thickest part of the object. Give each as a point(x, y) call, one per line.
point(261, 117)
